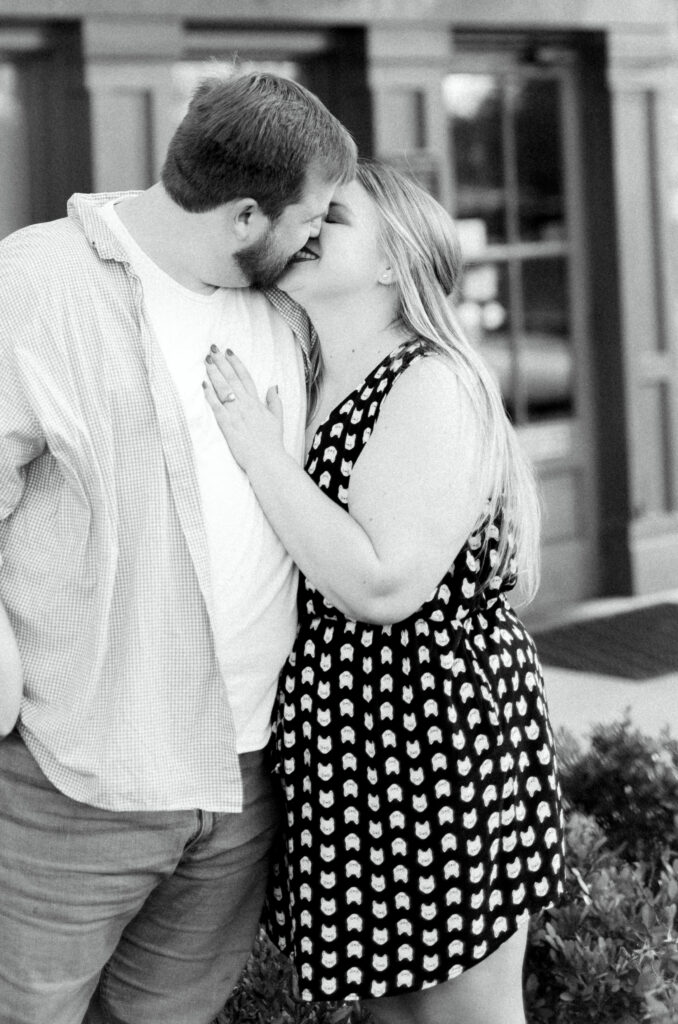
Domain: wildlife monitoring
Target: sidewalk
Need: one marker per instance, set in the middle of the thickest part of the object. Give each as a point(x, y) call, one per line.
point(579, 700)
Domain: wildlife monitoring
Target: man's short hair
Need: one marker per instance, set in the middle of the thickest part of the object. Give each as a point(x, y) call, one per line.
point(254, 135)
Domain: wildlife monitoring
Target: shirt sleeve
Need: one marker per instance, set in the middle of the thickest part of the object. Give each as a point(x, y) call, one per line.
point(21, 437)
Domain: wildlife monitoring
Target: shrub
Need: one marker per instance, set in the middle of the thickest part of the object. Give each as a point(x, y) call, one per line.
point(608, 953)
point(629, 783)
point(267, 994)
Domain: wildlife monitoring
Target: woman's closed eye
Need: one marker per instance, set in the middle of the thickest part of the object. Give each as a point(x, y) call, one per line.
point(336, 214)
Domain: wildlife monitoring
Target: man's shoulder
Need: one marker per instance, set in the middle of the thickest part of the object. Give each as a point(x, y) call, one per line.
point(51, 245)
point(35, 237)
point(40, 266)
point(41, 250)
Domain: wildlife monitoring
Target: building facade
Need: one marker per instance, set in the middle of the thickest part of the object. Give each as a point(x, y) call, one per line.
point(548, 128)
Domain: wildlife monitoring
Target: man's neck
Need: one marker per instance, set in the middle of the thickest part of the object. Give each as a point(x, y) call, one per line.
point(177, 241)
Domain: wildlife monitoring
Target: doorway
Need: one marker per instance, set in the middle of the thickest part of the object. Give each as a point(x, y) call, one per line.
point(514, 135)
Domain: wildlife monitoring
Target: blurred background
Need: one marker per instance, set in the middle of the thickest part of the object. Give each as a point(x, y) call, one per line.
point(548, 128)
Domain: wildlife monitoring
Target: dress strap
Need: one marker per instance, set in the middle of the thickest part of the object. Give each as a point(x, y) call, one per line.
point(380, 381)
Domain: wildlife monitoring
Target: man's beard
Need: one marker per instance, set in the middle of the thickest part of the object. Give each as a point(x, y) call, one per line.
point(262, 263)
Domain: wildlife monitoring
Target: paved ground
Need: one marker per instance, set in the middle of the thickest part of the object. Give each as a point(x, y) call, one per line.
point(579, 700)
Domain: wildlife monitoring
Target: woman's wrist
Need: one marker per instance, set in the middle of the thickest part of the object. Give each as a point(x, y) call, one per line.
point(270, 461)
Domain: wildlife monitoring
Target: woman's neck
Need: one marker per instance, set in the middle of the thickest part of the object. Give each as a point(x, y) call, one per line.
point(353, 341)
point(351, 346)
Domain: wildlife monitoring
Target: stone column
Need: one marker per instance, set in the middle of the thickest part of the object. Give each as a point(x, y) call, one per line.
point(643, 79)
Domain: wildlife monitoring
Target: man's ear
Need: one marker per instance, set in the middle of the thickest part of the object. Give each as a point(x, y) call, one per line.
point(247, 219)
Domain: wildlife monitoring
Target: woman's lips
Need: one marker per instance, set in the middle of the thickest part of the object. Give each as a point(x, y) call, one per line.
point(305, 255)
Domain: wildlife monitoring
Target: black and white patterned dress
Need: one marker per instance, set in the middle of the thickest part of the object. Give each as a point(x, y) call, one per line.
point(423, 819)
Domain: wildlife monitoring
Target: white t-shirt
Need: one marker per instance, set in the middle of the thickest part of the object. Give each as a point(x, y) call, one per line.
point(254, 581)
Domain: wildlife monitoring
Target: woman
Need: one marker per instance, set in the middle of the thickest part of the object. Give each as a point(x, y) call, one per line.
point(422, 804)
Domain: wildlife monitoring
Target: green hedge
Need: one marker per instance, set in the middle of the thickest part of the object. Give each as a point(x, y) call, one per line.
point(608, 954)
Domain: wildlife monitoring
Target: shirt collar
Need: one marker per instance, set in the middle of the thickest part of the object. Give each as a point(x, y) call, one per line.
point(85, 208)
point(296, 319)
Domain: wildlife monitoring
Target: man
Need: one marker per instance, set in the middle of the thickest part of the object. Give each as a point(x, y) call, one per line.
point(152, 604)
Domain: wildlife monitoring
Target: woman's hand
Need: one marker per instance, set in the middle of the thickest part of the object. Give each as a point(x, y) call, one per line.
point(251, 427)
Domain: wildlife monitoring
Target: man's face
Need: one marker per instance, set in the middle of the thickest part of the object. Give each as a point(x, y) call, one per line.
point(266, 259)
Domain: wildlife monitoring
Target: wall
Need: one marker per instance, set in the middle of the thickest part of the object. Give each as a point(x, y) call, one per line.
point(130, 46)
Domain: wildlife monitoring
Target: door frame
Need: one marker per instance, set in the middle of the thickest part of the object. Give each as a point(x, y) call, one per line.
point(562, 448)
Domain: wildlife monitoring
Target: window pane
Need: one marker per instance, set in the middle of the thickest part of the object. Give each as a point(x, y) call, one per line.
point(484, 312)
point(539, 160)
point(546, 357)
point(474, 104)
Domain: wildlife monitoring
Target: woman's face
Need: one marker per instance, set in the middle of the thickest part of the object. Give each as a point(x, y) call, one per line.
point(345, 259)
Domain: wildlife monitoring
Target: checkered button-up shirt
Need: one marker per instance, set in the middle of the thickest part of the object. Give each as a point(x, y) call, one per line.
point(105, 570)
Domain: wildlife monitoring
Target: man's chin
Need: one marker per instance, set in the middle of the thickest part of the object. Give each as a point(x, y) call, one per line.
point(260, 272)
point(260, 282)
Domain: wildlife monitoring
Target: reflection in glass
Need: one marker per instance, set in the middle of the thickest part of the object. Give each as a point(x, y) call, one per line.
point(484, 313)
point(546, 357)
point(505, 131)
point(474, 105)
point(539, 160)
point(530, 354)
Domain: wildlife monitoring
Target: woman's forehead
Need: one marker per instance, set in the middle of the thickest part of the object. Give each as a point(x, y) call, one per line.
point(352, 197)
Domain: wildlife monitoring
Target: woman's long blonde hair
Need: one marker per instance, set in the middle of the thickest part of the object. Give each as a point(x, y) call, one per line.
point(419, 240)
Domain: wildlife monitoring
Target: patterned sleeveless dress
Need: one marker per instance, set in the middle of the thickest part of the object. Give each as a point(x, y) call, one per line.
point(423, 817)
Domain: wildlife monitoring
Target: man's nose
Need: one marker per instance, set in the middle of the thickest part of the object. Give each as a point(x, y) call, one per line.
point(315, 227)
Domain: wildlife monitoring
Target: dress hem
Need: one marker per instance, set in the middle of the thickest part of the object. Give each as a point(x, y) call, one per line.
point(356, 995)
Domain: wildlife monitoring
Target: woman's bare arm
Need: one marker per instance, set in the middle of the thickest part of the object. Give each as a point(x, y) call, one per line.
point(413, 499)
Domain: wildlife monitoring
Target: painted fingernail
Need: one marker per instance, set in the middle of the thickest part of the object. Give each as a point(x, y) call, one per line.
point(213, 348)
point(208, 359)
point(204, 384)
point(229, 351)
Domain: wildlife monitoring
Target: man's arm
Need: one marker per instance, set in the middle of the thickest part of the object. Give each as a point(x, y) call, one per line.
point(21, 437)
point(21, 441)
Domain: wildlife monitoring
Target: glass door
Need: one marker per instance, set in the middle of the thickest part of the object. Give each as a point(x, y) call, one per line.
point(512, 134)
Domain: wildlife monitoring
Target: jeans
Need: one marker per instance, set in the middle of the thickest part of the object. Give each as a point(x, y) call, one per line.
point(147, 917)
